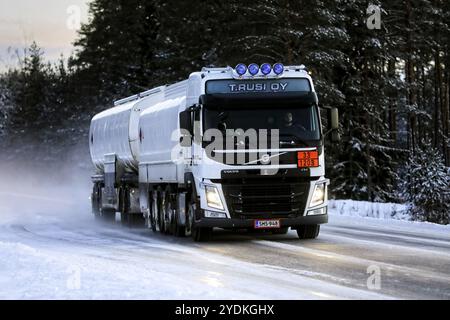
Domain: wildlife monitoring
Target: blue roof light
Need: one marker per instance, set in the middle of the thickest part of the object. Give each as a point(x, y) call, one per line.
point(241, 69)
point(278, 68)
point(253, 69)
point(266, 68)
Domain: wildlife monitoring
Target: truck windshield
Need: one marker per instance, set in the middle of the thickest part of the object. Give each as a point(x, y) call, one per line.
point(293, 123)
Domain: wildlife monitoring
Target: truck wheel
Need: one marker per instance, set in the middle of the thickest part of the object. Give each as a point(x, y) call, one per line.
point(308, 232)
point(154, 211)
point(175, 228)
point(160, 215)
point(281, 230)
point(179, 230)
point(170, 213)
point(197, 233)
point(95, 201)
point(189, 220)
point(164, 226)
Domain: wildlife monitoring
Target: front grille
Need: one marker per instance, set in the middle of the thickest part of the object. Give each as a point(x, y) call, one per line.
point(266, 199)
point(254, 158)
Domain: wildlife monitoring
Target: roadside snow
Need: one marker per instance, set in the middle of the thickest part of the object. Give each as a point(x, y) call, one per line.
point(377, 210)
point(386, 216)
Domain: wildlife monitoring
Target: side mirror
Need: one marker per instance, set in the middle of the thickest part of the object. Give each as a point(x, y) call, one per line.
point(334, 118)
point(334, 123)
point(186, 128)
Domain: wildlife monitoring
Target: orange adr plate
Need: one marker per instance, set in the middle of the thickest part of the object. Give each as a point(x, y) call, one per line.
point(308, 159)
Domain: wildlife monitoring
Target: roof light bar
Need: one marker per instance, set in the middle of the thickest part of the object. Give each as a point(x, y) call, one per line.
point(253, 69)
point(241, 69)
point(266, 68)
point(278, 68)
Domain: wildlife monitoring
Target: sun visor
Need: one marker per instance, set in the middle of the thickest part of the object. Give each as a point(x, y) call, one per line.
point(230, 100)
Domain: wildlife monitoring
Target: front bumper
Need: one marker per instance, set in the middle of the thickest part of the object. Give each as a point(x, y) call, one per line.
point(249, 223)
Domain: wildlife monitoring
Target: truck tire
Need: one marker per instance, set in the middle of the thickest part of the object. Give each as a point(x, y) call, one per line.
point(198, 234)
point(160, 213)
point(308, 231)
point(154, 211)
point(180, 231)
point(165, 212)
point(95, 199)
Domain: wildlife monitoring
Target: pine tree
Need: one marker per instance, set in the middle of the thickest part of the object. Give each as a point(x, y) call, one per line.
point(116, 50)
point(426, 186)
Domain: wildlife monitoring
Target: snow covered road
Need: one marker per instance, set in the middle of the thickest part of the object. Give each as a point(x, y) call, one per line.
point(53, 249)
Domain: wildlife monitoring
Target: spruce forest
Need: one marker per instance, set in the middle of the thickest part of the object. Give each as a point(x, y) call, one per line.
point(390, 82)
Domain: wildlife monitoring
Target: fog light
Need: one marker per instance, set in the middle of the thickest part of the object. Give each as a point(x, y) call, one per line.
point(214, 214)
point(317, 212)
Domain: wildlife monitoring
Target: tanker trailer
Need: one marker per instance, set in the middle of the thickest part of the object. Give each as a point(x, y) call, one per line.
point(114, 149)
point(160, 159)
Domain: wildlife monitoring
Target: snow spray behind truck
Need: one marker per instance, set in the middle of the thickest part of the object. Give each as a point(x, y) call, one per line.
point(238, 148)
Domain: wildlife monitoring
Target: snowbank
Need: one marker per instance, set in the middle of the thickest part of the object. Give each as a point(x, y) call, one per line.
point(377, 210)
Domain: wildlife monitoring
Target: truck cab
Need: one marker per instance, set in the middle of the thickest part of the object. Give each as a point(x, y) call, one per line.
point(268, 169)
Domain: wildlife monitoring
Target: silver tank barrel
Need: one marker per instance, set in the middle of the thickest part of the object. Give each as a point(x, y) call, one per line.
point(116, 131)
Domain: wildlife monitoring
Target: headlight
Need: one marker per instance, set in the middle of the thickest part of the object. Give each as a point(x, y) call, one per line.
point(213, 198)
point(318, 196)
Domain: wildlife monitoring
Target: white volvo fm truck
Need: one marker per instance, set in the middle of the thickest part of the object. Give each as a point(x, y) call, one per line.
point(233, 148)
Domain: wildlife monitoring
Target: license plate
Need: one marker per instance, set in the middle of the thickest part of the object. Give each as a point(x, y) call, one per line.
point(267, 224)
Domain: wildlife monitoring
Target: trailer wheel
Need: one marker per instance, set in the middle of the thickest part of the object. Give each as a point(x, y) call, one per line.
point(154, 211)
point(308, 231)
point(159, 212)
point(95, 201)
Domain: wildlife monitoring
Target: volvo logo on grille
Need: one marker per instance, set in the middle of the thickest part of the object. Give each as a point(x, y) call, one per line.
point(265, 159)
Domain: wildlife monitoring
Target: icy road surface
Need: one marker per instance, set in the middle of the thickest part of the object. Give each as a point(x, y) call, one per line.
point(51, 248)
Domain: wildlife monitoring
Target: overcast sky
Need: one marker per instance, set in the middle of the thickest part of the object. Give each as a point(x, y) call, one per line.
point(44, 21)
